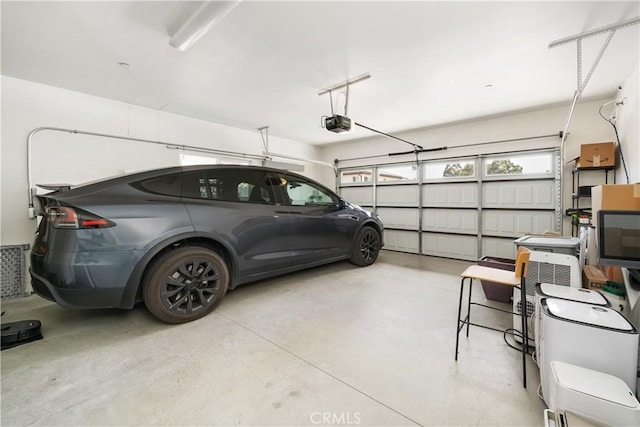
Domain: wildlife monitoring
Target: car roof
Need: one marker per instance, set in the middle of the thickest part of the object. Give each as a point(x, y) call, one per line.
point(133, 177)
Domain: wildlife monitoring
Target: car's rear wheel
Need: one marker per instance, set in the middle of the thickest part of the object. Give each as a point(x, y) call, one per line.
point(185, 284)
point(366, 247)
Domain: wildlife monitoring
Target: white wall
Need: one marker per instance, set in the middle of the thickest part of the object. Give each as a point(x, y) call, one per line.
point(27, 105)
point(628, 127)
point(586, 127)
point(73, 158)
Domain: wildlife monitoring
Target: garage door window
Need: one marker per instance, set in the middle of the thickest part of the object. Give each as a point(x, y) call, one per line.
point(397, 174)
point(519, 166)
point(457, 169)
point(356, 176)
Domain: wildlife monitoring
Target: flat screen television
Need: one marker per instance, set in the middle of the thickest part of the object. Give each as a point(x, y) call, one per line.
point(619, 239)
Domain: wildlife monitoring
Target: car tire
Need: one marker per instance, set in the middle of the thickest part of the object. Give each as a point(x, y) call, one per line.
point(185, 284)
point(366, 247)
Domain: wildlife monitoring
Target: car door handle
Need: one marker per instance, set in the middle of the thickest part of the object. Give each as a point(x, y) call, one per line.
point(348, 216)
point(289, 212)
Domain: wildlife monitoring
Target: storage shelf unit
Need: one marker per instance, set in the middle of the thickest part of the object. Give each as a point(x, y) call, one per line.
point(580, 194)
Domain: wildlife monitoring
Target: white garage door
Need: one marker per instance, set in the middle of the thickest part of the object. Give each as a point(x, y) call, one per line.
point(462, 208)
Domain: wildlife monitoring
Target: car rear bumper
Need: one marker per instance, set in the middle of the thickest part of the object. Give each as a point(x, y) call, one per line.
point(82, 280)
point(76, 298)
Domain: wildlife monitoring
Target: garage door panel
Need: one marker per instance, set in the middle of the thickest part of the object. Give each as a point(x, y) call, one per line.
point(398, 195)
point(524, 195)
point(463, 217)
point(406, 218)
point(358, 195)
point(454, 195)
point(545, 195)
point(450, 246)
point(404, 241)
point(498, 247)
point(516, 223)
point(450, 220)
point(519, 194)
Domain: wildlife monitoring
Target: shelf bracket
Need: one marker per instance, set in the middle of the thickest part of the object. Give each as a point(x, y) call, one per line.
point(578, 38)
point(264, 134)
point(580, 83)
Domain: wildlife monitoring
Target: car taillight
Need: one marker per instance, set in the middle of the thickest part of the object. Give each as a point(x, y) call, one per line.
point(68, 217)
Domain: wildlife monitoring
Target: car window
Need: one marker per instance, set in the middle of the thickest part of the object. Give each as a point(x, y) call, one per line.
point(215, 186)
point(231, 185)
point(194, 185)
point(301, 192)
point(258, 187)
point(168, 185)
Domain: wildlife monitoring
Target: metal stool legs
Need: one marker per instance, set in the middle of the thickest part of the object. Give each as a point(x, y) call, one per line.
point(525, 330)
point(467, 320)
point(460, 324)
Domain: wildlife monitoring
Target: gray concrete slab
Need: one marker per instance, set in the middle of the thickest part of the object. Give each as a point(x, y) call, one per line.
point(336, 345)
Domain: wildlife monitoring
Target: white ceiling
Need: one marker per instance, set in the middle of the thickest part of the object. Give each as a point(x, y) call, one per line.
point(265, 63)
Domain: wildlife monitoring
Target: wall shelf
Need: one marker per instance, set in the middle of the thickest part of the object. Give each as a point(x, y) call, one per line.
point(579, 194)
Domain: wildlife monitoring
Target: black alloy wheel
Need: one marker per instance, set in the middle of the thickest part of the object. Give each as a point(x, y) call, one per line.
point(366, 247)
point(186, 284)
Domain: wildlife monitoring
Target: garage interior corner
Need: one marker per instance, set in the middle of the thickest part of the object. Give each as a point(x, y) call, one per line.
point(334, 345)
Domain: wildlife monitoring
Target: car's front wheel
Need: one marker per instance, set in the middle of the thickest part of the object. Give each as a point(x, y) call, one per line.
point(185, 284)
point(366, 247)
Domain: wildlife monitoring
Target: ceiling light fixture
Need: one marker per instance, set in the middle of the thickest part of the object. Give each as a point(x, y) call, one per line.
point(202, 20)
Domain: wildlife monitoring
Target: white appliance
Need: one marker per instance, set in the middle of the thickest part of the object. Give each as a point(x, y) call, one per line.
point(556, 244)
point(593, 337)
point(545, 267)
point(592, 395)
point(548, 290)
point(565, 419)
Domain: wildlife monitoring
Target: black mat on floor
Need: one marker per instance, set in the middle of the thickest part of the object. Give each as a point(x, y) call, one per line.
point(18, 333)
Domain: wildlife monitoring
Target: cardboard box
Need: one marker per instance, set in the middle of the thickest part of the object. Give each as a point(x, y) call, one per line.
point(623, 197)
point(593, 278)
point(613, 273)
point(598, 155)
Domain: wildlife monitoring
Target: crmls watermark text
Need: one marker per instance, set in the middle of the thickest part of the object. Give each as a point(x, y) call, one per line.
point(335, 418)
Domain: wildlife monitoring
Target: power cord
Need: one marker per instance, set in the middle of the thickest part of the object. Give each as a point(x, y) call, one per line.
point(615, 129)
point(624, 164)
point(516, 333)
point(534, 356)
point(539, 392)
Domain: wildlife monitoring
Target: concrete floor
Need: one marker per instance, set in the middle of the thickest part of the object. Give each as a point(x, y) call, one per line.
point(336, 345)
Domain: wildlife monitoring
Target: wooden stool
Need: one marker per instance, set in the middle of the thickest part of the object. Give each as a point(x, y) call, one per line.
point(504, 277)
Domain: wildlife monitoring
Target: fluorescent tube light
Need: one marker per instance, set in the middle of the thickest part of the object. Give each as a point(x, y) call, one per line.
point(204, 18)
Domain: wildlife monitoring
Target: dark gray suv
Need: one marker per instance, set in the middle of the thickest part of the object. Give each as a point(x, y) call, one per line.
point(178, 238)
